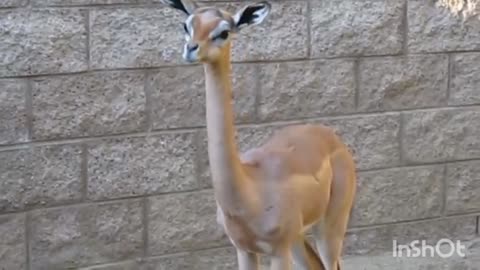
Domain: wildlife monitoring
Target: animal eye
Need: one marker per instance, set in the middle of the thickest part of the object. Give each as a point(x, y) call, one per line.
point(222, 35)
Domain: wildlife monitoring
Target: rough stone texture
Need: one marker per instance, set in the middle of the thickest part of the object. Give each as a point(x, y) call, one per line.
point(12, 3)
point(139, 166)
point(403, 82)
point(432, 231)
point(90, 104)
point(173, 229)
point(12, 242)
point(369, 241)
point(465, 81)
point(435, 29)
point(215, 259)
point(306, 89)
point(103, 149)
point(60, 47)
point(388, 261)
point(47, 175)
point(463, 187)
point(178, 96)
point(398, 194)
point(440, 135)
point(283, 35)
point(13, 112)
point(83, 2)
point(344, 28)
point(64, 238)
point(372, 138)
point(136, 37)
point(211, 259)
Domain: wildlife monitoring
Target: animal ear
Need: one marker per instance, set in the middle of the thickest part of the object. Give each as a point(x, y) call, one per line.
point(252, 14)
point(186, 6)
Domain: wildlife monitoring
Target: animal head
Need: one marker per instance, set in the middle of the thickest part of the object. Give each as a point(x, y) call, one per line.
point(209, 30)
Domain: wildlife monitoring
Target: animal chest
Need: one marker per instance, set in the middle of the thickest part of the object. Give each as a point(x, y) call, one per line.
point(250, 235)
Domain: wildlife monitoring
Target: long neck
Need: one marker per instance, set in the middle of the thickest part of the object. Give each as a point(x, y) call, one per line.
point(226, 169)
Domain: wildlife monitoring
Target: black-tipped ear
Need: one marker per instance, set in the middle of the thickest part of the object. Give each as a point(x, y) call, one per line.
point(252, 14)
point(186, 6)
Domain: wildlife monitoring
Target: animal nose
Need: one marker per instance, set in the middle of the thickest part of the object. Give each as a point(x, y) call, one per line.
point(192, 47)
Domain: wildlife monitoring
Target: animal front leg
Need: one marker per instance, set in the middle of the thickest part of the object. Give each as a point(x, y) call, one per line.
point(247, 260)
point(281, 261)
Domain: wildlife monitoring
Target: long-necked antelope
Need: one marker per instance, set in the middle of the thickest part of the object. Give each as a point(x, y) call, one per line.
point(302, 177)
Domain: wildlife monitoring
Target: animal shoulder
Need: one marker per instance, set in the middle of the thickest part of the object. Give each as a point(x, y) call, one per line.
point(296, 149)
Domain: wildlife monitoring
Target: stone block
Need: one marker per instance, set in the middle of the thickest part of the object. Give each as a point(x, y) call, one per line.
point(214, 259)
point(84, 2)
point(435, 29)
point(178, 95)
point(83, 235)
point(465, 81)
point(283, 34)
point(138, 166)
point(13, 253)
point(396, 83)
point(306, 89)
point(135, 37)
point(183, 222)
point(40, 176)
point(398, 194)
point(368, 241)
point(88, 105)
point(347, 28)
point(452, 228)
point(372, 138)
point(441, 135)
point(12, 3)
point(463, 187)
point(13, 112)
point(53, 41)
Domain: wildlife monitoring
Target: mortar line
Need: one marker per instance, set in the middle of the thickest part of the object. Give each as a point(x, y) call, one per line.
point(27, 240)
point(405, 27)
point(444, 191)
point(357, 79)
point(309, 28)
point(411, 221)
point(478, 225)
point(29, 109)
point(145, 211)
point(84, 172)
point(264, 61)
point(325, 117)
point(401, 131)
point(87, 41)
point(105, 200)
point(258, 95)
point(148, 101)
point(197, 140)
point(449, 76)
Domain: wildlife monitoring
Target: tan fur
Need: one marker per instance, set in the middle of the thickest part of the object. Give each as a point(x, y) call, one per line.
point(302, 177)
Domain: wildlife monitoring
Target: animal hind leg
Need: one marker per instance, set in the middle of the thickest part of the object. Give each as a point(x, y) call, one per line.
point(330, 232)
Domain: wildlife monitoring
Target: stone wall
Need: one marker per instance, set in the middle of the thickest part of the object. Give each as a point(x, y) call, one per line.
point(102, 128)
